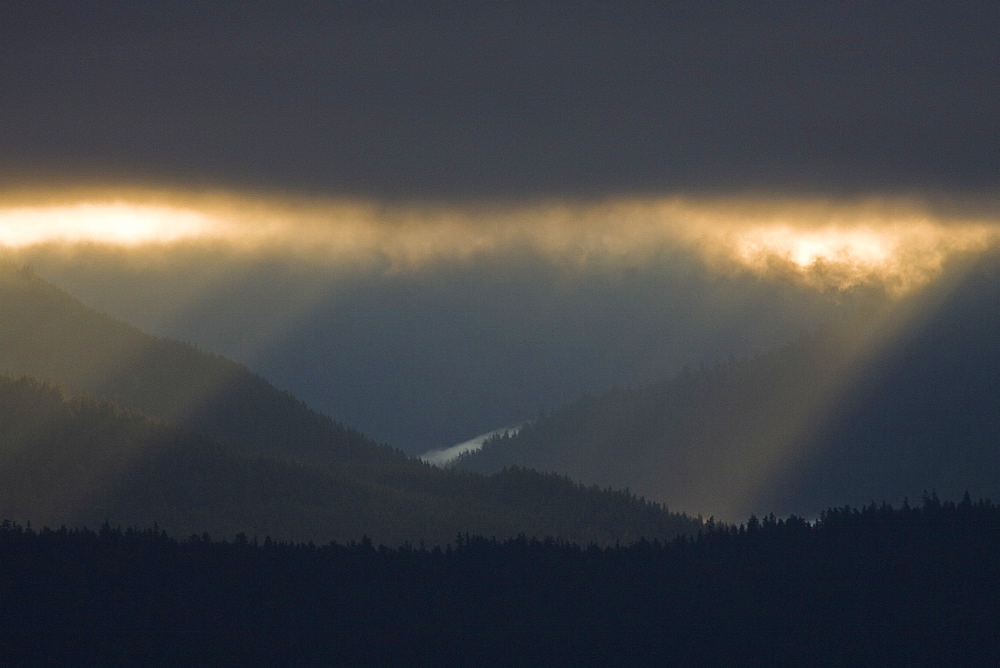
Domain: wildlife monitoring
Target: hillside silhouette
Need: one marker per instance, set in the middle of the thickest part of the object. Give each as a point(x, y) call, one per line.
point(915, 585)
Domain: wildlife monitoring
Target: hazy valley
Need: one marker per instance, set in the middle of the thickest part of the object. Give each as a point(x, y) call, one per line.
point(195, 443)
point(450, 333)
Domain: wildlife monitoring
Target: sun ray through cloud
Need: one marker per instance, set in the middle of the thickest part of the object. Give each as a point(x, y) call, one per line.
point(201, 246)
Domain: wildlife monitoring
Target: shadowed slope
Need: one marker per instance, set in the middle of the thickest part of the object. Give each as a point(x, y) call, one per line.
point(81, 462)
point(47, 334)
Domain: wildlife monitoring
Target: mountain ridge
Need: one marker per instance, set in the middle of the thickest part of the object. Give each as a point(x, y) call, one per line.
point(46, 334)
point(80, 458)
point(837, 416)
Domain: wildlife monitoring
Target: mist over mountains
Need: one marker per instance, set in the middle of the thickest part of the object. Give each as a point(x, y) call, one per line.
point(717, 258)
point(427, 359)
point(871, 406)
point(48, 335)
point(152, 432)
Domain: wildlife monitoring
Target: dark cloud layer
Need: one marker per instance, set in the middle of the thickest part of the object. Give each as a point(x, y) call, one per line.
point(447, 99)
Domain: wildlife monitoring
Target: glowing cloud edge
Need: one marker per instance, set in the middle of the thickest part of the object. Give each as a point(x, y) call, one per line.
point(896, 242)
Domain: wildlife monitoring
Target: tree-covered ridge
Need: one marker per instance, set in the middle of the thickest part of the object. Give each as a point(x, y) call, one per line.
point(916, 585)
point(678, 437)
point(82, 461)
point(46, 334)
point(800, 428)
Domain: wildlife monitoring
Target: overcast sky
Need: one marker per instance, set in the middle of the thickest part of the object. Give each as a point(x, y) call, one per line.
point(454, 99)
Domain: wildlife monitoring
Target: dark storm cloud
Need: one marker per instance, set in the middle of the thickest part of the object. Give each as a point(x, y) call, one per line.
point(468, 99)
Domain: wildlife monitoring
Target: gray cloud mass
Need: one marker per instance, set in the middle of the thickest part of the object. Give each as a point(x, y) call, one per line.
point(453, 99)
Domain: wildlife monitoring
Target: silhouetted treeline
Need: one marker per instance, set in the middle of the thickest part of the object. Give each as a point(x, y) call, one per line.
point(876, 586)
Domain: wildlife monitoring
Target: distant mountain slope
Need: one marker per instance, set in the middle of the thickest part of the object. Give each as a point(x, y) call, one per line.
point(800, 429)
point(82, 462)
point(693, 442)
point(925, 415)
point(47, 334)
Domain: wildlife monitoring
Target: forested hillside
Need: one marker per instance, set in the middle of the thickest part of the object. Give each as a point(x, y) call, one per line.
point(81, 462)
point(46, 334)
point(878, 586)
point(801, 428)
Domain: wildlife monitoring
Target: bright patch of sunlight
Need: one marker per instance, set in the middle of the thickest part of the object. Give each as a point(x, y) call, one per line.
point(897, 243)
point(119, 223)
point(901, 257)
point(804, 248)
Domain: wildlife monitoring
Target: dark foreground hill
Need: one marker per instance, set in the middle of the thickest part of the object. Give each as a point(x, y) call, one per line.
point(822, 421)
point(81, 462)
point(879, 586)
point(46, 334)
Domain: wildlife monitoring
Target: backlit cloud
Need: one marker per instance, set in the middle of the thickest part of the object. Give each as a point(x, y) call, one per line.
point(898, 244)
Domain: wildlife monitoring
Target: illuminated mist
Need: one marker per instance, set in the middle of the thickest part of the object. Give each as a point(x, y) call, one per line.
point(424, 323)
point(897, 243)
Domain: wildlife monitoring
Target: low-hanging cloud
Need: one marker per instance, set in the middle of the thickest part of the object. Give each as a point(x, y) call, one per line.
point(896, 243)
